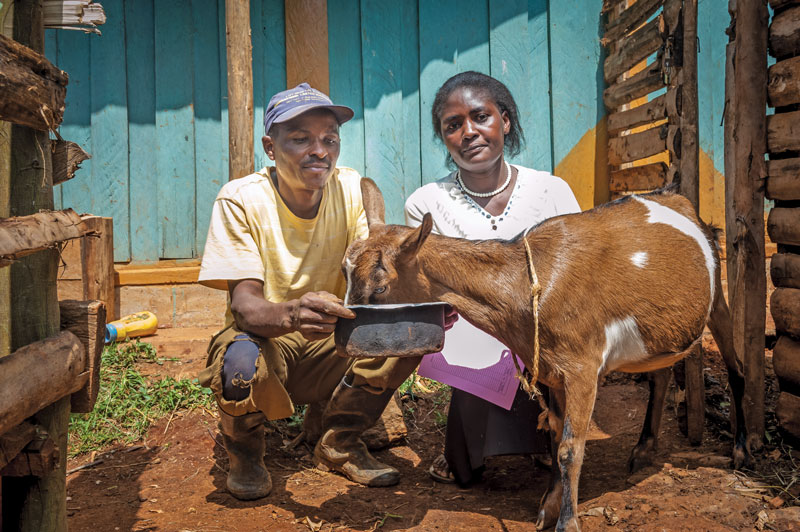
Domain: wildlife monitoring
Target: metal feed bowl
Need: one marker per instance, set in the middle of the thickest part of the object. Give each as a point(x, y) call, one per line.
point(404, 330)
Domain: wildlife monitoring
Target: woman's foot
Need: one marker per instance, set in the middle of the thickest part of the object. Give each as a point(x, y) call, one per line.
point(440, 471)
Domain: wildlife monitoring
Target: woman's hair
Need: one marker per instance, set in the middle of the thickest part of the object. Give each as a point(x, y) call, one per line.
point(498, 92)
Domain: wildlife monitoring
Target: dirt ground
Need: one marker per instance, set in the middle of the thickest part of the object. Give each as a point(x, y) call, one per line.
point(174, 480)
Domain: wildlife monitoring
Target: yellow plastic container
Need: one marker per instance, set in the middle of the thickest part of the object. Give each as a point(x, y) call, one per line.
point(139, 324)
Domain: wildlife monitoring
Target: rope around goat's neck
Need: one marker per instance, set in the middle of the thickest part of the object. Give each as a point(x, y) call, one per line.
point(529, 386)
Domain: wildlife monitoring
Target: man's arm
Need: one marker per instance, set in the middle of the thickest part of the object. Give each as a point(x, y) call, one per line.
point(314, 315)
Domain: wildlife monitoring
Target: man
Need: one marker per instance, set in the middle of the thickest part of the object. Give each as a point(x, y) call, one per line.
point(276, 242)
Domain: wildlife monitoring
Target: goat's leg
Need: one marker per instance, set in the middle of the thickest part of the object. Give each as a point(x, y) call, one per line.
point(721, 327)
point(581, 391)
point(642, 454)
point(550, 505)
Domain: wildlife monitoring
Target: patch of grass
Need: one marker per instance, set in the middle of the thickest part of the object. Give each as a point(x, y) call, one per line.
point(127, 403)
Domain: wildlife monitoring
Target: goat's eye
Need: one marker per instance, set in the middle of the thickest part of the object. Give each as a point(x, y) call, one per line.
point(380, 290)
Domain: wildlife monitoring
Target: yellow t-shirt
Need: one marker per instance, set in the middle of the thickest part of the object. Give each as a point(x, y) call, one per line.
point(254, 235)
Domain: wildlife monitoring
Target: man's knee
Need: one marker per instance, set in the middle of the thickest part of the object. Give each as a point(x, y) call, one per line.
point(239, 367)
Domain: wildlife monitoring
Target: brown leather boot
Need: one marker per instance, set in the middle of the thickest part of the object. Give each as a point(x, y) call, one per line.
point(248, 477)
point(350, 412)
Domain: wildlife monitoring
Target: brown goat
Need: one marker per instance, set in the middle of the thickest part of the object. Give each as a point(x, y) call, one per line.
point(627, 286)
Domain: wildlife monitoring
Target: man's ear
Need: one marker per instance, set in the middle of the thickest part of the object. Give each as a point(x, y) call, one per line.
point(269, 146)
point(414, 241)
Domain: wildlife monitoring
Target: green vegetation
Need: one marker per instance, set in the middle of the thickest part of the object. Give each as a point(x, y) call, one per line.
point(127, 402)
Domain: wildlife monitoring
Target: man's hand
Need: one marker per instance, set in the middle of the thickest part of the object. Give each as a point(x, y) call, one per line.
point(315, 314)
point(450, 317)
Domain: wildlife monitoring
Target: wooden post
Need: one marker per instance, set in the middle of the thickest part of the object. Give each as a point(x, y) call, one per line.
point(240, 88)
point(745, 171)
point(97, 263)
point(5, 183)
point(40, 504)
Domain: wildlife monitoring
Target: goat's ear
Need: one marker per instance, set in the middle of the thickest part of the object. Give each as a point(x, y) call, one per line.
point(414, 241)
point(373, 202)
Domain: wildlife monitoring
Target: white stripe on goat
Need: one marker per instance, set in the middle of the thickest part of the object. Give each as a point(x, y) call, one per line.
point(624, 344)
point(639, 259)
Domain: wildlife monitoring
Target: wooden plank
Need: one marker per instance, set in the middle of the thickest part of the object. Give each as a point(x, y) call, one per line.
point(785, 306)
point(97, 259)
point(39, 458)
point(645, 177)
point(783, 225)
point(539, 137)
point(24, 235)
point(211, 170)
point(412, 121)
point(783, 132)
point(344, 57)
point(156, 275)
point(239, 49)
point(786, 362)
point(5, 184)
point(745, 92)
point(636, 146)
point(110, 183)
point(780, 4)
point(307, 43)
point(630, 19)
point(784, 33)
point(14, 440)
point(636, 86)
point(87, 321)
point(453, 38)
point(787, 410)
point(783, 179)
point(33, 88)
point(784, 82)
point(260, 99)
point(141, 80)
point(175, 129)
point(67, 157)
point(785, 270)
point(634, 49)
point(652, 111)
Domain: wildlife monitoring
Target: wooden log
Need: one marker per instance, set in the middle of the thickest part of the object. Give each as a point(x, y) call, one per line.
point(658, 108)
point(13, 441)
point(783, 179)
point(688, 141)
point(97, 263)
point(675, 145)
point(784, 82)
point(780, 4)
point(783, 225)
point(783, 132)
point(784, 33)
point(37, 459)
point(634, 49)
point(630, 19)
point(87, 321)
point(23, 235)
point(38, 375)
point(33, 88)
point(637, 145)
point(745, 169)
point(787, 410)
point(646, 177)
point(636, 86)
point(239, 49)
point(67, 157)
point(786, 362)
point(785, 270)
point(785, 306)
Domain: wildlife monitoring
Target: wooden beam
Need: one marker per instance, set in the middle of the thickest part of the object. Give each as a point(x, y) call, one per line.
point(33, 88)
point(784, 269)
point(783, 225)
point(636, 86)
point(67, 157)
point(646, 177)
point(784, 83)
point(239, 48)
point(630, 19)
point(787, 410)
point(745, 170)
point(87, 321)
point(689, 151)
point(783, 179)
point(634, 49)
point(784, 33)
point(14, 440)
point(779, 4)
point(97, 263)
point(786, 362)
point(24, 235)
point(38, 375)
point(656, 109)
point(637, 146)
point(143, 275)
point(39, 458)
point(307, 43)
point(785, 306)
point(783, 132)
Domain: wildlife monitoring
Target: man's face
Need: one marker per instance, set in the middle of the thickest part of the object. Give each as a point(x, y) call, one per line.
point(305, 149)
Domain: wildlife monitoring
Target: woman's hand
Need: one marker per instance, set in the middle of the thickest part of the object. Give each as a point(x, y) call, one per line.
point(450, 317)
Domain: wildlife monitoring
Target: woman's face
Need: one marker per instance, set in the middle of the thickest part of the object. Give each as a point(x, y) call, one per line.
point(473, 129)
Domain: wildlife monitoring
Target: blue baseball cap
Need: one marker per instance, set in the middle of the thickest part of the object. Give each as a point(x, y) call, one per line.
point(293, 102)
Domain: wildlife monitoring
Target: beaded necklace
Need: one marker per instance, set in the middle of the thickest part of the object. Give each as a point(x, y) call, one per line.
point(493, 220)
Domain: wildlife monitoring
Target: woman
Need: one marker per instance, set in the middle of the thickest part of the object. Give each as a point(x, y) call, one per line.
point(476, 118)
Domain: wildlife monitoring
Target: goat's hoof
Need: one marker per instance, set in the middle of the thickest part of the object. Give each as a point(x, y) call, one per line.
point(548, 513)
point(741, 457)
point(572, 525)
point(640, 458)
